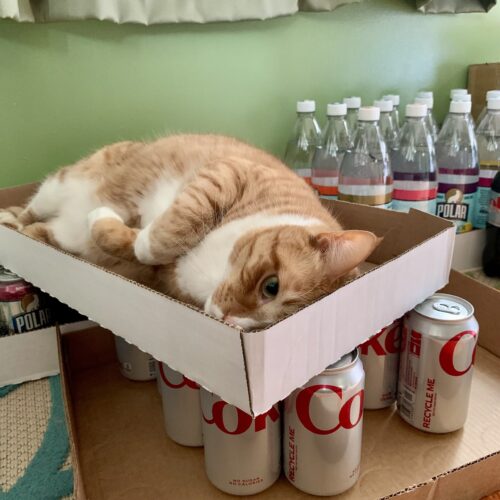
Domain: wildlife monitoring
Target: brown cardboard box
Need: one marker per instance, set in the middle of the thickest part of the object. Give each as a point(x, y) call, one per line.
point(482, 77)
point(250, 369)
point(121, 451)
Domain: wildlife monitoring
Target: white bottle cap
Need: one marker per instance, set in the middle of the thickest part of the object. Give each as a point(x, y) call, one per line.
point(428, 101)
point(494, 103)
point(460, 106)
point(462, 97)
point(369, 114)
point(492, 94)
point(306, 106)
point(352, 102)
point(428, 94)
point(392, 97)
point(454, 92)
point(417, 110)
point(336, 109)
point(384, 105)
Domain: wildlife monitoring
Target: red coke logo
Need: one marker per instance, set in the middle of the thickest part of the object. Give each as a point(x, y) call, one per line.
point(447, 354)
point(391, 343)
point(346, 420)
point(185, 382)
point(243, 420)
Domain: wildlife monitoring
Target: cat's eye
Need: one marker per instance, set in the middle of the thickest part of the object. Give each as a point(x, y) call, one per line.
point(270, 287)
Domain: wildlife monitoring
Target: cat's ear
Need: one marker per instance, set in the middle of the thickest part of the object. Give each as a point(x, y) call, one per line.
point(344, 250)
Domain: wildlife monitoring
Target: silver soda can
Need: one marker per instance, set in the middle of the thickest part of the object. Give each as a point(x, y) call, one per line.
point(23, 308)
point(181, 407)
point(134, 363)
point(323, 428)
point(242, 454)
point(380, 357)
point(437, 354)
point(158, 376)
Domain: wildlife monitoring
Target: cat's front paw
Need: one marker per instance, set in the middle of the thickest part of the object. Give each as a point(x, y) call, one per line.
point(8, 219)
point(99, 214)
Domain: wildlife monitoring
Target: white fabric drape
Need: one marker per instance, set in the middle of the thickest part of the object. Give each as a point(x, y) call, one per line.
point(158, 11)
point(454, 6)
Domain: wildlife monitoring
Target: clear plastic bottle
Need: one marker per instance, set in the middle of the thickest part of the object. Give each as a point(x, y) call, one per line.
point(305, 139)
point(488, 145)
point(365, 173)
point(466, 98)
point(430, 121)
point(353, 104)
point(491, 252)
point(414, 164)
point(456, 92)
point(458, 168)
point(328, 157)
point(395, 110)
point(387, 126)
point(491, 94)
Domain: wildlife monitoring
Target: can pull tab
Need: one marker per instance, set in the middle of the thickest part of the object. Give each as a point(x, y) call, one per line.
point(446, 308)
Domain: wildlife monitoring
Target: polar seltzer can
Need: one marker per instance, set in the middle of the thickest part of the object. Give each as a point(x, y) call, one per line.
point(323, 427)
point(242, 454)
point(23, 308)
point(437, 355)
point(181, 407)
point(380, 357)
point(134, 363)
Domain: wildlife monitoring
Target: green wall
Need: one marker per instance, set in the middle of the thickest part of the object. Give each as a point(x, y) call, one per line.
point(68, 88)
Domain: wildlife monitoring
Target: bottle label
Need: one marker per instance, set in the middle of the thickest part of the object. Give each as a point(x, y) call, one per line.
point(326, 186)
point(486, 176)
point(428, 206)
point(379, 195)
point(305, 173)
point(494, 209)
point(456, 197)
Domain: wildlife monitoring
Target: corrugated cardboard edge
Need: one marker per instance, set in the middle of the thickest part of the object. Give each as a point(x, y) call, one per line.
point(78, 489)
point(445, 486)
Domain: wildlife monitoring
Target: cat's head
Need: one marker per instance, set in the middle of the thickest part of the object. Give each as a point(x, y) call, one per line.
point(275, 272)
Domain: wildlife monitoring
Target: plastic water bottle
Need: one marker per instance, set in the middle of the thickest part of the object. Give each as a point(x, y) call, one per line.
point(491, 94)
point(455, 92)
point(328, 157)
point(365, 173)
point(388, 128)
point(491, 252)
point(305, 138)
point(353, 104)
point(488, 145)
point(428, 99)
point(466, 98)
point(395, 110)
point(414, 164)
point(458, 167)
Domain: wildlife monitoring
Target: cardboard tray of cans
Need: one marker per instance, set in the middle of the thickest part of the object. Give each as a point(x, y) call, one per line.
point(251, 370)
point(120, 449)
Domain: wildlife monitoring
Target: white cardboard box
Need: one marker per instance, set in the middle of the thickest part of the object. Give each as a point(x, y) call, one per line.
point(32, 355)
point(251, 370)
point(469, 250)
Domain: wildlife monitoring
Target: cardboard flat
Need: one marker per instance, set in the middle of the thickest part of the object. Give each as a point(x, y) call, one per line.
point(251, 370)
point(31, 355)
point(124, 453)
point(482, 77)
point(468, 250)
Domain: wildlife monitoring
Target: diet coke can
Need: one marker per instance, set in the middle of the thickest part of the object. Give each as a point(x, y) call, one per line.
point(181, 407)
point(23, 308)
point(242, 454)
point(380, 357)
point(435, 372)
point(323, 428)
point(134, 363)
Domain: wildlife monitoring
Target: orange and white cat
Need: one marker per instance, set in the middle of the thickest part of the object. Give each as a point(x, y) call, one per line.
point(206, 219)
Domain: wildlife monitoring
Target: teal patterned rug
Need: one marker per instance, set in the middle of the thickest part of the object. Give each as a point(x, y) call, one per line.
point(34, 446)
